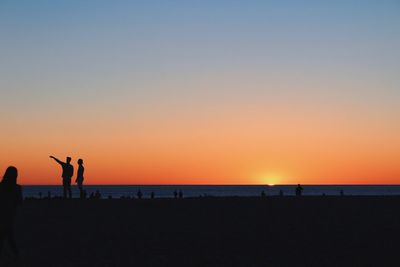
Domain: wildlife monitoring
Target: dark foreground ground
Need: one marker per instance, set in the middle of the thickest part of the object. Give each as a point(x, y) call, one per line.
point(288, 231)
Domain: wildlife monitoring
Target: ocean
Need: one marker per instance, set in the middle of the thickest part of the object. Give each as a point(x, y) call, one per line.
point(167, 191)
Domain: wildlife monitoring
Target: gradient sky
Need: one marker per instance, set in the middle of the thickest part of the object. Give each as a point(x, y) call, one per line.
point(202, 92)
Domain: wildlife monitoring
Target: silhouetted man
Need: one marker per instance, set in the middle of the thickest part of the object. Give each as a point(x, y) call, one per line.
point(67, 173)
point(299, 190)
point(139, 194)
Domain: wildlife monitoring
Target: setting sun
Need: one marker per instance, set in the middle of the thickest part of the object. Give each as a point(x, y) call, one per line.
point(272, 178)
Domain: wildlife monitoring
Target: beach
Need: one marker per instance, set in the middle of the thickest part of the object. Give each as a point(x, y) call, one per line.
point(209, 231)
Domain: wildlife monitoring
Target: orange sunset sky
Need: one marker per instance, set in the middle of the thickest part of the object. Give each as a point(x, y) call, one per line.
point(208, 93)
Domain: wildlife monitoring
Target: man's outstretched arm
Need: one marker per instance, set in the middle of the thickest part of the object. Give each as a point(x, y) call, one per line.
point(56, 159)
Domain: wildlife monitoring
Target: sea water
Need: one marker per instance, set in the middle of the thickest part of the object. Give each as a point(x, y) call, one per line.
point(167, 191)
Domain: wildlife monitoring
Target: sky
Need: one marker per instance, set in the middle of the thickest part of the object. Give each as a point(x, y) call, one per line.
point(202, 92)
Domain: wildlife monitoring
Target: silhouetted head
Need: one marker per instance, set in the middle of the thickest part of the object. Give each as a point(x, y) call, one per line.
point(10, 176)
point(80, 161)
point(68, 159)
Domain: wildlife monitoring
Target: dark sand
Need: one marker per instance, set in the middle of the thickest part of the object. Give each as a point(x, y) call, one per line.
point(288, 231)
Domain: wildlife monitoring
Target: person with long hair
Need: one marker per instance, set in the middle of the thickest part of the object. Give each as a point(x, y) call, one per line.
point(10, 198)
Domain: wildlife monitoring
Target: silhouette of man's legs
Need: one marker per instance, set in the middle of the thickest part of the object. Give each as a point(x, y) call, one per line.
point(67, 188)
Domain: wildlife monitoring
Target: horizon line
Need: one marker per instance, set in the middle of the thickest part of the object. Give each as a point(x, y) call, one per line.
point(268, 185)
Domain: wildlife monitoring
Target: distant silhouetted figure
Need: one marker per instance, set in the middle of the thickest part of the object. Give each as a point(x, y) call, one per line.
point(139, 194)
point(67, 173)
point(180, 194)
point(263, 194)
point(281, 193)
point(97, 195)
point(341, 193)
point(10, 198)
point(152, 195)
point(299, 190)
point(79, 177)
point(175, 194)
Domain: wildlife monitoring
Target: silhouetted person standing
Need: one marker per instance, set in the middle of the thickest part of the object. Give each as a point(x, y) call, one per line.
point(139, 194)
point(10, 198)
point(79, 177)
point(299, 190)
point(97, 195)
point(67, 173)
